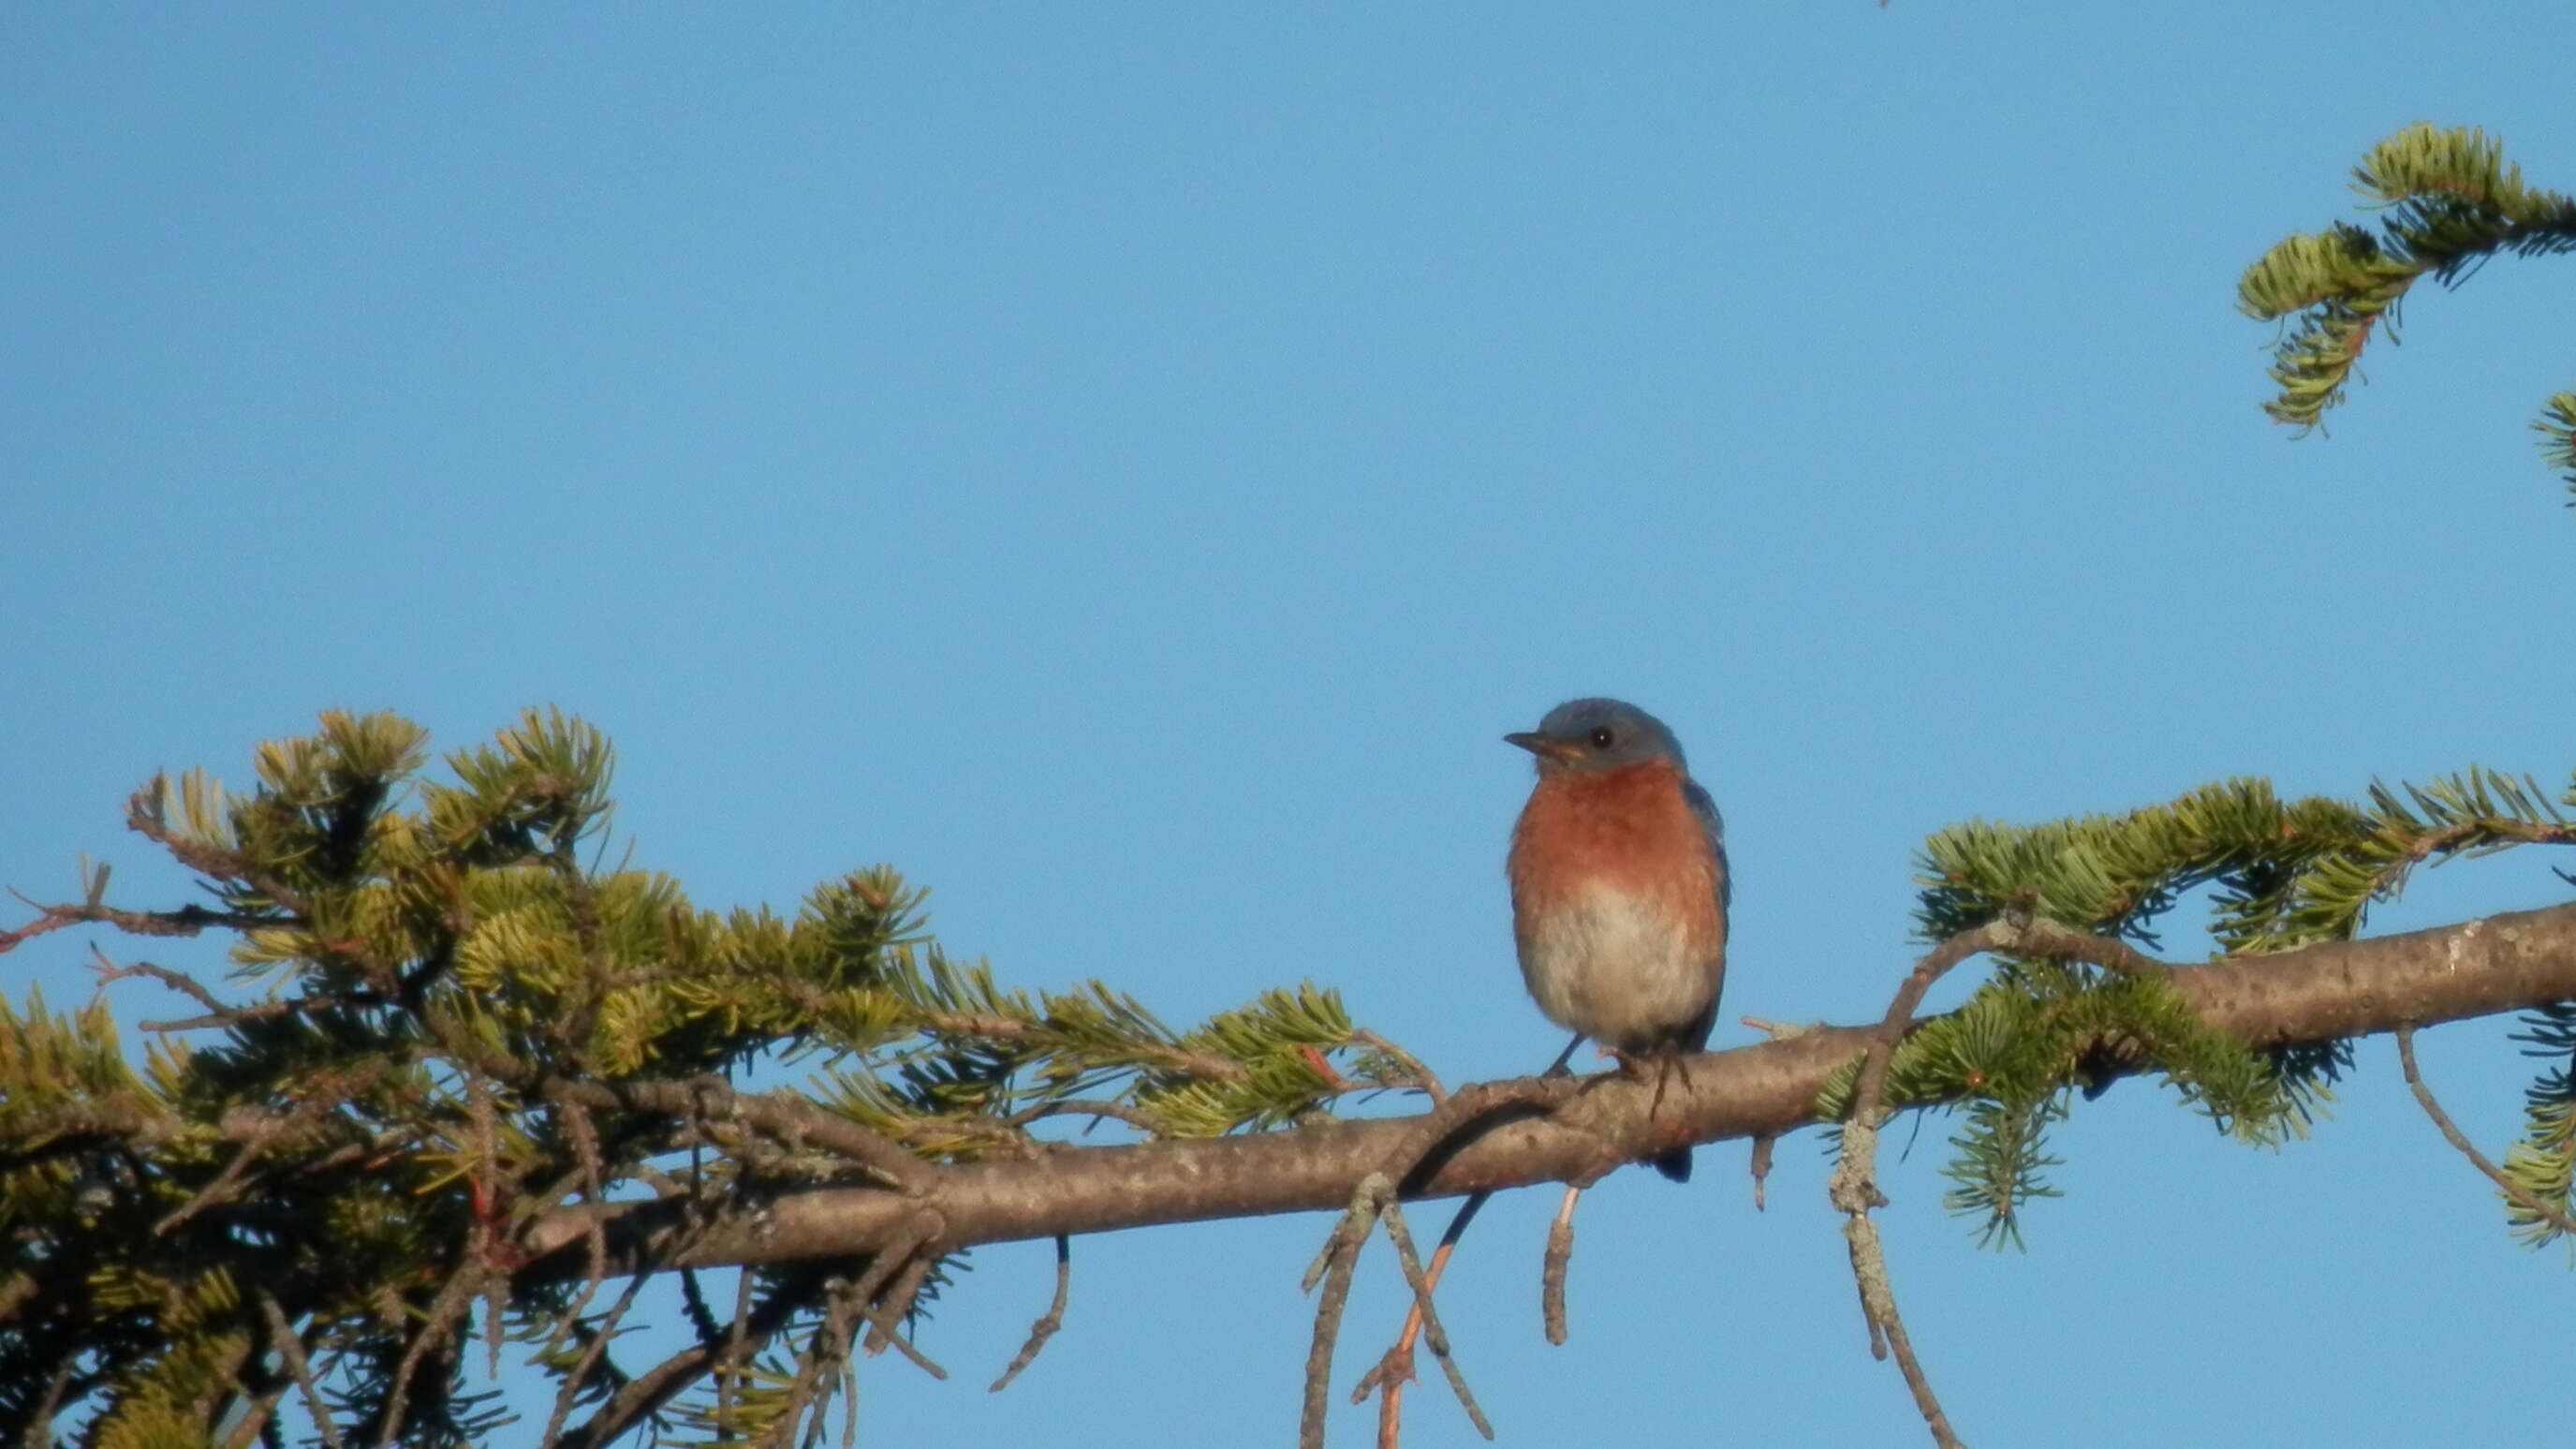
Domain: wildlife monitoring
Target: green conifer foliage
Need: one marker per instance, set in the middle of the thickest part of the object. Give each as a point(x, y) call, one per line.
point(2280, 873)
point(447, 1014)
point(2447, 201)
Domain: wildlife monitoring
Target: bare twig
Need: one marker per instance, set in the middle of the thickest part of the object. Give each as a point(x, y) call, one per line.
point(885, 1291)
point(1432, 1333)
point(255, 1414)
point(1394, 1369)
point(729, 1379)
point(896, 1306)
point(2520, 1196)
point(212, 1192)
point(40, 1418)
point(646, 1392)
point(454, 1297)
point(1206, 1065)
point(591, 1352)
point(1420, 1075)
point(839, 1323)
point(1136, 1117)
point(259, 1131)
point(825, 1350)
point(1761, 1167)
point(905, 1346)
point(2065, 943)
point(109, 972)
point(185, 921)
point(290, 1347)
point(693, 1301)
point(585, 1145)
point(1551, 1272)
point(1049, 1321)
point(792, 1119)
point(266, 1011)
point(2468, 833)
point(1332, 1267)
point(1853, 1188)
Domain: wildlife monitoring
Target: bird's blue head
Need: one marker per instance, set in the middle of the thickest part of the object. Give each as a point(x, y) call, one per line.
point(1599, 734)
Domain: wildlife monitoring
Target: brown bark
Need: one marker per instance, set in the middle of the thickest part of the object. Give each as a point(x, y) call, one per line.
point(1543, 1131)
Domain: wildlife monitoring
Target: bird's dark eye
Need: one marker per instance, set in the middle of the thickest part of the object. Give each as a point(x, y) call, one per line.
point(1602, 738)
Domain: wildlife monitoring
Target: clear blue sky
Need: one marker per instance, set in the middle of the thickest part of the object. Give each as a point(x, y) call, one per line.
point(1127, 465)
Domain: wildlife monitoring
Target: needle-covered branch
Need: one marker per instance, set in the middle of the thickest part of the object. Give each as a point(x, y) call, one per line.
point(2447, 201)
point(457, 1053)
point(2324, 993)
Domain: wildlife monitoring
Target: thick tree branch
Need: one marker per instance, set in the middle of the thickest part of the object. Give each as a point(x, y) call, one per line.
point(2319, 993)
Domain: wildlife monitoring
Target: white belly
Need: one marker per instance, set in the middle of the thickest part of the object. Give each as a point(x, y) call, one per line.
point(1605, 966)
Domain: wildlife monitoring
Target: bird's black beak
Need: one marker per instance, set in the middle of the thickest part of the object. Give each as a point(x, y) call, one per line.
point(1546, 747)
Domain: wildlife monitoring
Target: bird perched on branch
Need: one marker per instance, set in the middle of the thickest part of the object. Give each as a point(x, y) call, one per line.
point(1619, 890)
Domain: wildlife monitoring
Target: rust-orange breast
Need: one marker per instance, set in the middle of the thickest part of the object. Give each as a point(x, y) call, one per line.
point(1629, 829)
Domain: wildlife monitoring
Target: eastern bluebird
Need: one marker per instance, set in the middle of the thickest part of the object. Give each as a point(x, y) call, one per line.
point(1619, 889)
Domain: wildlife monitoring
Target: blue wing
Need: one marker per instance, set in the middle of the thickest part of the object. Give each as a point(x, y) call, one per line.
point(1705, 809)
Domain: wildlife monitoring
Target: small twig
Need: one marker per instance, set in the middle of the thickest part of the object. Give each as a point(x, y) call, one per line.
point(830, 1341)
point(267, 1011)
point(798, 1396)
point(2441, 1119)
point(1394, 1369)
point(254, 1421)
point(729, 1377)
point(1049, 1321)
point(1551, 1272)
point(646, 1392)
point(108, 972)
point(2065, 943)
point(1422, 1076)
point(185, 921)
point(1332, 1267)
point(1762, 1143)
point(1432, 1333)
point(789, 1118)
point(1207, 1065)
point(493, 1190)
point(702, 1319)
point(585, 1146)
point(839, 1324)
point(206, 1196)
point(899, 1248)
point(39, 1421)
point(454, 1298)
point(885, 1291)
point(290, 1347)
point(1853, 1187)
point(1136, 1117)
point(591, 1352)
point(896, 1307)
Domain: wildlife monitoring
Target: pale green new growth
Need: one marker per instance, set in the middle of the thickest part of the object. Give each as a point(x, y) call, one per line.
point(2448, 200)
